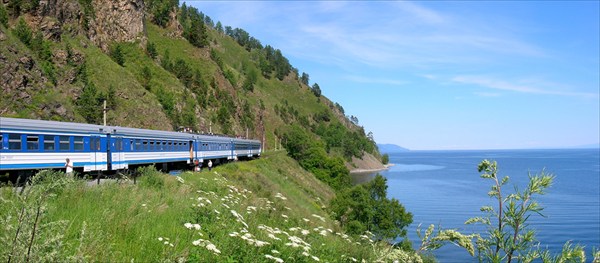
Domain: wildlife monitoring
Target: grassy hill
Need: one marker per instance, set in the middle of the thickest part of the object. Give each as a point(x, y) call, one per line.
point(239, 212)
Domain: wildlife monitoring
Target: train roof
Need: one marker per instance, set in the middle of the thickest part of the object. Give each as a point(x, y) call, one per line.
point(71, 127)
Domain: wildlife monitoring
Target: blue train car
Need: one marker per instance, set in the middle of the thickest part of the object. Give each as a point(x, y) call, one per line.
point(27, 145)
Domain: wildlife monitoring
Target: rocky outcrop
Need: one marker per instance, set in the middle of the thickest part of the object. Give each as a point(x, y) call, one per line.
point(117, 20)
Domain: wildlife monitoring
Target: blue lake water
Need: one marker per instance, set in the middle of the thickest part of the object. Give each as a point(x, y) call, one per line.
point(444, 188)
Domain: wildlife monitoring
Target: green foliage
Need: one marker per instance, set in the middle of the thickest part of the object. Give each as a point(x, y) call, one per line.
point(194, 29)
point(366, 207)
point(337, 136)
point(27, 235)
point(88, 13)
point(117, 54)
point(316, 90)
point(508, 236)
point(304, 79)
point(250, 80)
point(311, 155)
point(89, 104)
point(165, 61)
point(23, 32)
point(385, 159)
point(146, 77)
point(151, 50)
point(49, 71)
point(150, 177)
point(160, 10)
point(15, 6)
point(3, 16)
point(431, 242)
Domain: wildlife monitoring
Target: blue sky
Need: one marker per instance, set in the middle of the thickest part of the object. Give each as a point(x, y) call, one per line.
point(437, 75)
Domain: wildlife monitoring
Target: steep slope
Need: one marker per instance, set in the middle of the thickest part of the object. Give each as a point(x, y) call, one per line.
point(153, 77)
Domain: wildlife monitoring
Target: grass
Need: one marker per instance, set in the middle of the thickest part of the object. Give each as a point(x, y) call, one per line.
point(246, 210)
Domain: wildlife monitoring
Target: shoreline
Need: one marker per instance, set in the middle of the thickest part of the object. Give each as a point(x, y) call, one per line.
point(360, 171)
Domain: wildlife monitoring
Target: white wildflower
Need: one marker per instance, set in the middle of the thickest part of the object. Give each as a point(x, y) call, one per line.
point(305, 232)
point(273, 237)
point(217, 211)
point(166, 242)
point(304, 253)
point(143, 205)
point(323, 233)
point(278, 260)
point(280, 196)
point(353, 259)
point(306, 219)
point(180, 179)
point(226, 206)
point(284, 216)
point(319, 217)
point(160, 239)
point(234, 234)
point(315, 258)
point(197, 226)
point(259, 243)
point(275, 251)
point(188, 225)
point(213, 248)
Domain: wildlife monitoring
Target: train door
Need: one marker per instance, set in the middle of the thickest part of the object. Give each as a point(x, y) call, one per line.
point(110, 142)
point(116, 153)
point(95, 154)
point(191, 151)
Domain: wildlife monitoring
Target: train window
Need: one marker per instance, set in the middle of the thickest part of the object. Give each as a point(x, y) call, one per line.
point(14, 141)
point(170, 145)
point(33, 142)
point(48, 143)
point(1, 142)
point(131, 145)
point(78, 143)
point(152, 146)
point(63, 143)
point(145, 143)
point(138, 145)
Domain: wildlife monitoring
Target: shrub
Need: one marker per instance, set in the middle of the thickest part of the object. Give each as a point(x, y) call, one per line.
point(151, 178)
point(23, 32)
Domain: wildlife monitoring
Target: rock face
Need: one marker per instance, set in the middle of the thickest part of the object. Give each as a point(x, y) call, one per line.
point(111, 21)
point(117, 20)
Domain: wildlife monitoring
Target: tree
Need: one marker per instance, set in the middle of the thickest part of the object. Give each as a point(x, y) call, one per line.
point(146, 77)
point(88, 104)
point(385, 159)
point(23, 32)
point(316, 90)
point(3, 16)
point(367, 207)
point(151, 50)
point(117, 55)
point(250, 80)
point(219, 27)
point(304, 79)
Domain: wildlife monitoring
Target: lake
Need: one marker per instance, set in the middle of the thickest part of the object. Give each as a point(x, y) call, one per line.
point(444, 188)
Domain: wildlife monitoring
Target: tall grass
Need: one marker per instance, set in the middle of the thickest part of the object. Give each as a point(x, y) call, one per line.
point(258, 211)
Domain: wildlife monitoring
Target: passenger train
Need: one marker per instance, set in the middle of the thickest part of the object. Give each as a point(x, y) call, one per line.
point(27, 145)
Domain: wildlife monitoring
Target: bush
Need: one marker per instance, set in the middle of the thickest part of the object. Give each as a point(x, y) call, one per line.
point(117, 54)
point(151, 178)
point(3, 16)
point(385, 159)
point(23, 32)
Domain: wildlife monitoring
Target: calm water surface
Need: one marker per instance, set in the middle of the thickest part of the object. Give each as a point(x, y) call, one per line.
point(444, 188)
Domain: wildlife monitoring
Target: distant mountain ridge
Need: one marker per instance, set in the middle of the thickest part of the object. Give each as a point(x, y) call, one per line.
point(391, 148)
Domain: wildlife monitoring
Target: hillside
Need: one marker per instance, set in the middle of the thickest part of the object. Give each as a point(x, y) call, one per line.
point(159, 68)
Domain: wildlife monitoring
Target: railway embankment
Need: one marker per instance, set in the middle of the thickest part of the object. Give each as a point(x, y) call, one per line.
point(256, 211)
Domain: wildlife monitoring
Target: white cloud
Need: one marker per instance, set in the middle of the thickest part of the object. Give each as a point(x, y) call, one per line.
point(522, 86)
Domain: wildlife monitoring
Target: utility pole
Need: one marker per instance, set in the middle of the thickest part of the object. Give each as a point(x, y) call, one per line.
point(104, 113)
point(210, 128)
point(246, 132)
